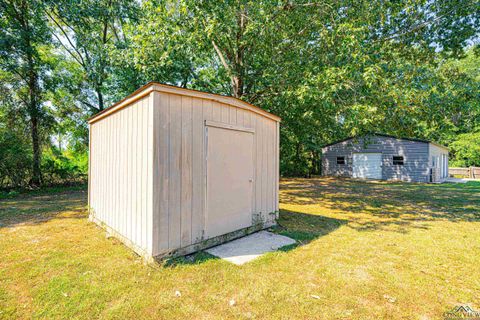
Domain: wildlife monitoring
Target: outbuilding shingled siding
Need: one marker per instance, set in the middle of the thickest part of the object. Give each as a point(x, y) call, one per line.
point(415, 153)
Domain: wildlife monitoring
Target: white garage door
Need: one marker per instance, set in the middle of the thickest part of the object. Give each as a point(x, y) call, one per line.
point(367, 165)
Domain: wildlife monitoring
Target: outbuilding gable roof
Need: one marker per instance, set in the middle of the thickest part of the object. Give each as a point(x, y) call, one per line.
point(384, 135)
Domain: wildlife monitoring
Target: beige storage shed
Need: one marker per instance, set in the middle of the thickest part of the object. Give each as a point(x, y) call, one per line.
point(174, 170)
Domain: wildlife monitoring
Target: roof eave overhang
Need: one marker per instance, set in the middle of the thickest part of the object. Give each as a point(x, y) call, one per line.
point(159, 87)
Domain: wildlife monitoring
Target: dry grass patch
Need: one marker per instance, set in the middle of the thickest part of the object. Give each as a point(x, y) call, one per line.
point(370, 250)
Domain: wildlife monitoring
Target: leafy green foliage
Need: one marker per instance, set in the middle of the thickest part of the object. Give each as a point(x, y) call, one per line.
point(330, 70)
point(88, 31)
point(24, 43)
point(466, 150)
point(15, 167)
point(64, 167)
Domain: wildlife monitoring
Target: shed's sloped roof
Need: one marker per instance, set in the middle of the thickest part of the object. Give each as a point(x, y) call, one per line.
point(387, 136)
point(160, 87)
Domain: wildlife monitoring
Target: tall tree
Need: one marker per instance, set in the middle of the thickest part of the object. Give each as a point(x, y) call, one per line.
point(24, 33)
point(329, 69)
point(88, 31)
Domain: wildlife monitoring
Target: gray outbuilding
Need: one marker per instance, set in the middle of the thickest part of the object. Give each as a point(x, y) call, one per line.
point(385, 157)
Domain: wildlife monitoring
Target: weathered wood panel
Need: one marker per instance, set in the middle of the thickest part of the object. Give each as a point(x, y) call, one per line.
point(152, 226)
point(161, 138)
point(186, 205)
point(198, 161)
point(174, 150)
point(120, 165)
point(179, 166)
point(463, 172)
point(470, 172)
point(277, 170)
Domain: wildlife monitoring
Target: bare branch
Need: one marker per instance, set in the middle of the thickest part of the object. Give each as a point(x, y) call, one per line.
point(91, 106)
point(114, 31)
point(413, 29)
point(105, 31)
point(222, 58)
point(74, 56)
point(79, 58)
point(290, 6)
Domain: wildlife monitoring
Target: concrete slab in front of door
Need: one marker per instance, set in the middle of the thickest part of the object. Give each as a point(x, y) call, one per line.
point(250, 247)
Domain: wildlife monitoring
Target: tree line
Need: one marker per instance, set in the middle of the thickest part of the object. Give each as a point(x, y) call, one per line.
point(330, 69)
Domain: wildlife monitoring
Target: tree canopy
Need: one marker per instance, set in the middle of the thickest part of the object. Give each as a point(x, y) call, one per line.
point(329, 69)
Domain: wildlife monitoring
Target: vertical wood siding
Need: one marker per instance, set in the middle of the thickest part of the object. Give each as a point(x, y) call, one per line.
point(179, 166)
point(148, 169)
point(121, 169)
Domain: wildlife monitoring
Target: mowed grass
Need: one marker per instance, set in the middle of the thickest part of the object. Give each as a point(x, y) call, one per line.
point(368, 250)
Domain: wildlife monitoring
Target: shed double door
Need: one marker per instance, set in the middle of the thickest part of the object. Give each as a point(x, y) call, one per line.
point(229, 180)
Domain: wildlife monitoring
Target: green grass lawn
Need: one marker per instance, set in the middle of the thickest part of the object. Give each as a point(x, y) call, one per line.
point(368, 250)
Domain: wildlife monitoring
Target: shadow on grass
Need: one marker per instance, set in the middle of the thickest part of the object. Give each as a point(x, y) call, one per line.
point(58, 189)
point(40, 208)
point(301, 227)
point(192, 259)
point(394, 206)
point(304, 227)
point(360, 205)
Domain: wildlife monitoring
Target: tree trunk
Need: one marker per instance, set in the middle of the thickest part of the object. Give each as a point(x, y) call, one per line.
point(237, 86)
point(297, 152)
point(37, 173)
point(315, 163)
point(100, 97)
point(33, 110)
point(238, 75)
point(235, 65)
